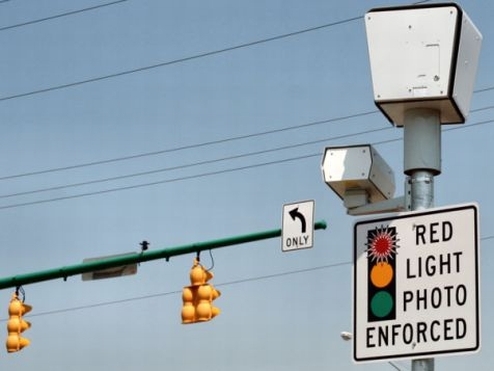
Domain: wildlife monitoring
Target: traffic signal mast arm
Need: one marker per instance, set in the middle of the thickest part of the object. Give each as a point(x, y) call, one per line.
point(140, 257)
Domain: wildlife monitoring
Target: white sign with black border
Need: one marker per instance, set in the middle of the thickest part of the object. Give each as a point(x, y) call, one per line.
point(416, 284)
point(298, 226)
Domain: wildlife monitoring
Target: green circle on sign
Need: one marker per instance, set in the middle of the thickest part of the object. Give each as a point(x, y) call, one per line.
point(381, 304)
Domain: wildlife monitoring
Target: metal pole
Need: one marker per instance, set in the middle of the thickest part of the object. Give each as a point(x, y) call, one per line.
point(422, 158)
point(118, 261)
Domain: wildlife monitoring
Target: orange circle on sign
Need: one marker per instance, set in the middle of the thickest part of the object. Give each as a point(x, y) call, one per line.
point(381, 274)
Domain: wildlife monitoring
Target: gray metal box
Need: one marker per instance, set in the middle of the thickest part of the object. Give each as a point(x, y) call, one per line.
point(358, 168)
point(423, 56)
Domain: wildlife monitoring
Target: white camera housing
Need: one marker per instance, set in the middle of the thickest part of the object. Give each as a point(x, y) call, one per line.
point(423, 56)
point(357, 174)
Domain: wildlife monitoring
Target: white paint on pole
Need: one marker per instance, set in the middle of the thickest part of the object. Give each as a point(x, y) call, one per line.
point(416, 284)
point(297, 226)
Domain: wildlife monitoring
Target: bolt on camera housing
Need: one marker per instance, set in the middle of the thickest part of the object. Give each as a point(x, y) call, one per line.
point(423, 56)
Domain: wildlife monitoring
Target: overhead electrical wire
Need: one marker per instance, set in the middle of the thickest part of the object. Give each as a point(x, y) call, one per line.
point(236, 282)
point(173, 180)
point(205, 174)
point(193, 164)
point(228, 283)
point(61, 15)
point(163, 64)
point(177, 61)
point(198, 145)
point(201, 163)
point(178, 148)
point(175, 292)
point(188, 146)
point(205, 144)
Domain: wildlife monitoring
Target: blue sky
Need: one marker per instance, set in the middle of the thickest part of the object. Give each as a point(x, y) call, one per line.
point(227, 129)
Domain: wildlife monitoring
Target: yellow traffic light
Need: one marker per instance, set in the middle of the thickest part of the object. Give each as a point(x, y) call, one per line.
point(16, 325)
point(198, 297)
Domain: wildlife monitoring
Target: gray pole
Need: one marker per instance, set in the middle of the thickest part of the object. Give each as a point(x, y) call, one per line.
point(422, 159)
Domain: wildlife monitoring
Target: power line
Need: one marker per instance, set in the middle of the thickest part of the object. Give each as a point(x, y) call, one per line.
point(204, 144)
point(180, 60)
point(483, 90)
point(189, 146)
point(61, 15)
point(166, 63)
point(180, 167)
point(206, 174)
point(229, 283)
point(185, 147)
point(455, 127)
point(173, 180)
point(194, 164)
point(172, 62)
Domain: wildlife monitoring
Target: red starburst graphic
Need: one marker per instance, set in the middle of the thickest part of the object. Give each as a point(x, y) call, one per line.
point(382, 244)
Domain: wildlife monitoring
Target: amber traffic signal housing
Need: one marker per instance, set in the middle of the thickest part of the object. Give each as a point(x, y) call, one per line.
point(198, 297)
